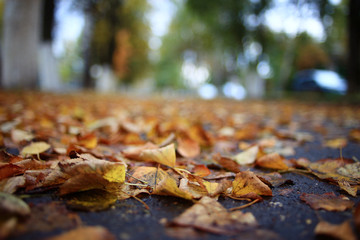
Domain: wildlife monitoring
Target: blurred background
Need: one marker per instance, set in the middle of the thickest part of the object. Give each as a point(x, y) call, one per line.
point(210, 48)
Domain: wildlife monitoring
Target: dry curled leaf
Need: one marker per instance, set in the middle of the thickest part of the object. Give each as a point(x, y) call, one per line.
point(341, 232)
point(272, 161)
point(188, 147)
point(165, 155)
point(160, 181)
point(327, 201)
point(247, 182)
point(210, 216)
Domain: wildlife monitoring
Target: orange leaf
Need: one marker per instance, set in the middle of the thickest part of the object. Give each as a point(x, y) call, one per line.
point(188, 147)
point(272, 161)
point(201, 170)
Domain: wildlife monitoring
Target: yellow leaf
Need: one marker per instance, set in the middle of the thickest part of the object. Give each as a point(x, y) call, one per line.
point(336, 143)
point(89, 141)
point(161, 182)
point(35, 148)
point(115, 174)
point(247, 182)
point(165, 155)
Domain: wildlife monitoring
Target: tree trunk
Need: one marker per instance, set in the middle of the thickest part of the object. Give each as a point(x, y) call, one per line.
point(20, 44)
point(354, 46)
point(88, 81)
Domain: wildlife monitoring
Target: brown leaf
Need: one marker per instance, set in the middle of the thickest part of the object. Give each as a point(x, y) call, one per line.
point(210, 216)
point(273, 179)
point(247, 182)
point(272, 161)
point(86, 233)
point(10, 170)
point(342, 231)
point(95, 174)
point(227, 163)
point(327, 201)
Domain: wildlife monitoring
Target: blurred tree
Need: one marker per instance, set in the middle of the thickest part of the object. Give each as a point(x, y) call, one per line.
point(27, 28)
point(115, 34)
point(20, 44)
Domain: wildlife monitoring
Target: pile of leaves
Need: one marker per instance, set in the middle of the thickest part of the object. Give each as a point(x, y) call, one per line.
point(91, 151)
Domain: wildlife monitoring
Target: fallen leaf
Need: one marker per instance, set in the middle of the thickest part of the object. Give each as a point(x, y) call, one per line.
point(10, 185)
point(351, 170)
point(13, 206)
point(35, 148)
point(160, 181)
point(201, 170)
point(342, 231)
point(355, 135)
point(86, 233)
point(89, 141)
point(336, 143)
point(95, 174)
point(248, 156)
point(165, 155)
point(273, 179)
point(272, 161)
point(227, 163)
point(247, 182)
point(327, 201)
point(188, 147)
point(344, 185)
point(210, 216)
point(10, 170)
point(18, 135)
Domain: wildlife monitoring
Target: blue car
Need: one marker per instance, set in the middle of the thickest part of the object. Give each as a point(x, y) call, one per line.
point(314, 80)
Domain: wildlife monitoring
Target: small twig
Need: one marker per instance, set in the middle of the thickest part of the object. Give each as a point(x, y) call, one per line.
point(138, 199)
point(137, 179)
point(237, 198)
point(341, 156)
point(137, 184)
point(244, 206)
